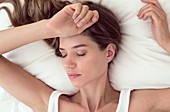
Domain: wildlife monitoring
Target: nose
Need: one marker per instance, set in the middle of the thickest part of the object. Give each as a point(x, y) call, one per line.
point(69, 62)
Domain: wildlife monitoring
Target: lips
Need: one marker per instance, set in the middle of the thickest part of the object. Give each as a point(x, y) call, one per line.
point(73, 76)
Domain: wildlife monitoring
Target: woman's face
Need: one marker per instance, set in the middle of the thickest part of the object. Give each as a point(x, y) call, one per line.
point(83, 60)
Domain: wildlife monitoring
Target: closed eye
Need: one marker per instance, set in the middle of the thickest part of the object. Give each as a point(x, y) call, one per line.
point(81, 54)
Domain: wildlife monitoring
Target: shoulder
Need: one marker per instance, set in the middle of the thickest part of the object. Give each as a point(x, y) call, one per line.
point(163, 100)
point(142, 101)
point(150, 100)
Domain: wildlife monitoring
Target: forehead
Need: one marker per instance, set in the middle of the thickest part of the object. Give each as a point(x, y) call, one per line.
point(76, 40)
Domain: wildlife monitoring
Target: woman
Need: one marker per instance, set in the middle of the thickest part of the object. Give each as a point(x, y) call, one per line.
point(92, 51)
point(86, 59)
point(84, 19)
point(73, 64)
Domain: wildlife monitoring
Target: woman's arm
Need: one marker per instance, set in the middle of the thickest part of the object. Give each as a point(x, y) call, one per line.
point(163, 100)
point(19, 36)
point(23, 86)
point(159, 26)
point(150, 100)
point(71, 20)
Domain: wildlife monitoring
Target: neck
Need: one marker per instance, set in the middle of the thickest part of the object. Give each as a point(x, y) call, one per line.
point(96, 94)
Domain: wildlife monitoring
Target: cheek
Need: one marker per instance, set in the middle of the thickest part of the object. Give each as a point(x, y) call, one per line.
point(100, 66)
point(93, 65)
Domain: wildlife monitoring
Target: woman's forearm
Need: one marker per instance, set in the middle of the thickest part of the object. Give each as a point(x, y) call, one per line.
point(19, 36)
point(167, 45)
point(24, 86)
point(62, 24)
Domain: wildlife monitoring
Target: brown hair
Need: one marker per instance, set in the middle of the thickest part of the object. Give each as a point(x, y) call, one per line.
point(105, 31)
point(1, 1)
point(33, 11)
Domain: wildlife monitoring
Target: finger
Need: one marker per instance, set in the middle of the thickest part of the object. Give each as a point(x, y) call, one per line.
point(152, 15)
point(93, 20)
point(82, 14)
point(142, 9)
point(154, 2)
point(77, 9)
point(68, 10)
point(149, 8)
point(92, 16)
point(86, 19)
point(95, 16)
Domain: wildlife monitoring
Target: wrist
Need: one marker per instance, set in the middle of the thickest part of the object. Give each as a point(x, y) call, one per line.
point(166, 44)
point(51, 31)
point(46, 30)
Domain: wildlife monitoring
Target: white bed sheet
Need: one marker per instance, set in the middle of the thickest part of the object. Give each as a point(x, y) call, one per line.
point(5, 106)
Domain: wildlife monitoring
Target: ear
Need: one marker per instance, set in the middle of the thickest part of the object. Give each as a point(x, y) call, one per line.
point(110, 52)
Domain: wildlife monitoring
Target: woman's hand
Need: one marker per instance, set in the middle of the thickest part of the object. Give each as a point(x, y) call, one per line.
point(72, 20)
point(159, 26)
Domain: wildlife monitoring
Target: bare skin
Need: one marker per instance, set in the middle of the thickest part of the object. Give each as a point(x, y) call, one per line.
point(141, 101)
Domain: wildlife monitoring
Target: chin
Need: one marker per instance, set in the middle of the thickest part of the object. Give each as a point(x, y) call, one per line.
point(78, 84)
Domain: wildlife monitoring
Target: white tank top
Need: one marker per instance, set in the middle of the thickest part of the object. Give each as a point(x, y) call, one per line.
point(123, 104)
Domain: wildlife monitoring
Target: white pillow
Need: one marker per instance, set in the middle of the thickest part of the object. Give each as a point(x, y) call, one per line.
point(141, 63)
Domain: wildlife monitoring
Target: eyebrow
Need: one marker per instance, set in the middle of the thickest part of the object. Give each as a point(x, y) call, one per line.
point(77, 46)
